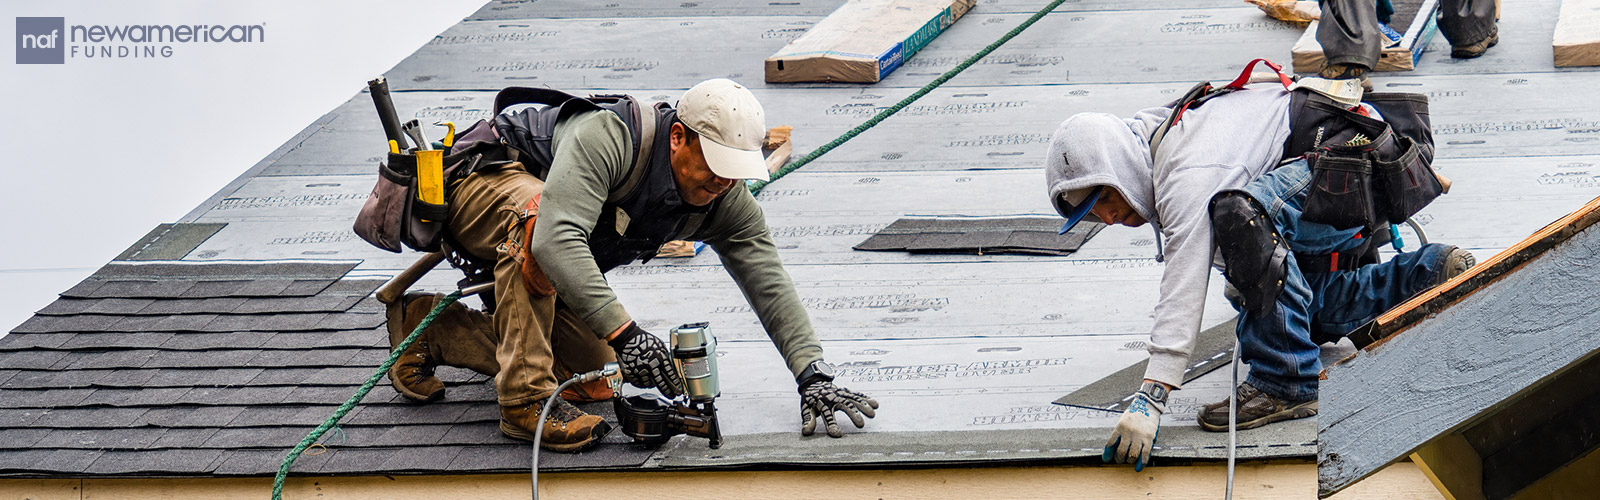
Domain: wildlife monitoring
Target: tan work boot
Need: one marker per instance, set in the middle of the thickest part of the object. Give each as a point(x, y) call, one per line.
point(590, 392)
point(412, 374)
point(568, 429)
point(1347, 72)
point(1476, 49)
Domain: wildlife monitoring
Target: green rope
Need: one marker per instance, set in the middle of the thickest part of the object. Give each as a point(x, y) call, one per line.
point(755, 187)
point(283, 469)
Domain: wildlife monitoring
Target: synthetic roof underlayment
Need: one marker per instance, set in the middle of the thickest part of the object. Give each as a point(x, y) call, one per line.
point(965, 352)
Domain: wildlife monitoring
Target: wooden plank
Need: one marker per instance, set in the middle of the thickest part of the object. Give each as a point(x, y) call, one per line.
point(1465, 361)
point(1577, 38)
point(1453, 467)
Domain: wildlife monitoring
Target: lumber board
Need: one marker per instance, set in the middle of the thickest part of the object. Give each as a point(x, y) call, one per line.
point(1466, 360)
point(1577, 37)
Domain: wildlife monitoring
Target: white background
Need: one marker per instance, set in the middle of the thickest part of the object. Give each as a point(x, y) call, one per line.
point(100, 151)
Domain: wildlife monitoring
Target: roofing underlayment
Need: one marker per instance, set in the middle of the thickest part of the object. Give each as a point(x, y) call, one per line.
point(218, 365)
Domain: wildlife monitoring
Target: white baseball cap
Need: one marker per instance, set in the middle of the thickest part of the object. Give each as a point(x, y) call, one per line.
point(731, 125)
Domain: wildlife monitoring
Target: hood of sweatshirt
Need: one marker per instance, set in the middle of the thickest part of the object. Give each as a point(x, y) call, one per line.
point(1099, 149)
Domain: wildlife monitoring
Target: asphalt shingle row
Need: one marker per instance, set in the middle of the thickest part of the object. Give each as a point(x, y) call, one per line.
point(197, 341)
point(257, 462)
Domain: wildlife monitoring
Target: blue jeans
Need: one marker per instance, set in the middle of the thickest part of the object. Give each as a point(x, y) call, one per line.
point(1281, 342)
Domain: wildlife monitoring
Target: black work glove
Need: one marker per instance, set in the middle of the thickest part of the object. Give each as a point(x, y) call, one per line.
point(645, 361)
point(819, 398)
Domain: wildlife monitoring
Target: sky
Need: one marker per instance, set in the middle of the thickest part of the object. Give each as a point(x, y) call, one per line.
point(104, 149)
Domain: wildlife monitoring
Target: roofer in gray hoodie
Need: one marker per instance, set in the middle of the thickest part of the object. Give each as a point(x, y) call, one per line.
point(1216, 183)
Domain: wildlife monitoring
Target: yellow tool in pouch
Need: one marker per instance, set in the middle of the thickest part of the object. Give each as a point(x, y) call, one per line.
point(430, 176)
point(449, 136)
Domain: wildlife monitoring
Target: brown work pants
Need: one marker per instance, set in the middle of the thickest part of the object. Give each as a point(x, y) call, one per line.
point(533, 339)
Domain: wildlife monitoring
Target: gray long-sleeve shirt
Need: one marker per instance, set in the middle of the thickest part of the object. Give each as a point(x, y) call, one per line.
point(592, 156)
point(1223, 145)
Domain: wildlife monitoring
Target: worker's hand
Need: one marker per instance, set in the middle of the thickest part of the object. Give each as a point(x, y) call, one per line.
point(819, 398)
point(645, 361)
point(1136, 432)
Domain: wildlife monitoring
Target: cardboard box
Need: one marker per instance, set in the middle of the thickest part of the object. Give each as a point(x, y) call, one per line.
point(863, 40)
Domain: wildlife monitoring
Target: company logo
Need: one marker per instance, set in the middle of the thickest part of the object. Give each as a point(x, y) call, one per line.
point(48, 40)
point(41, 40)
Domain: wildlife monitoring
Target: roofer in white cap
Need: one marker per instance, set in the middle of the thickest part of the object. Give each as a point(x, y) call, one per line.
point(619, 180)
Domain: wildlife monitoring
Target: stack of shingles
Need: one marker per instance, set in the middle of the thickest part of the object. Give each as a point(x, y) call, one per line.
point(217, 369)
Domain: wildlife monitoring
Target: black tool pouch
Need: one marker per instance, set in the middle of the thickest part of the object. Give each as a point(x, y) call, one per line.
point(1406, 183)
point(1341, 189)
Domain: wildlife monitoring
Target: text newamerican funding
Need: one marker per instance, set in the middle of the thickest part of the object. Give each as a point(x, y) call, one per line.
point(140, 40)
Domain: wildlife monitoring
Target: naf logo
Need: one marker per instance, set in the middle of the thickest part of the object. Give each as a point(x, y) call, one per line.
point(40, 40)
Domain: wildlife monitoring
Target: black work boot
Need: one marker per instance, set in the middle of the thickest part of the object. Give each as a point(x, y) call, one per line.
point(1256, 409)
point(567, 430)
point(1476, 49)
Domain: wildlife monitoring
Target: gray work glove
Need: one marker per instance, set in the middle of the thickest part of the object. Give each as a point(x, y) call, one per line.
point(1136, 431)
point(819, 398)
point(645, 361)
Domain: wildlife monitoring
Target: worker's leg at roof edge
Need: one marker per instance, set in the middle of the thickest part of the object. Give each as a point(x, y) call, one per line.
point(465, 338)
point(1280, 341)
point(530, 341)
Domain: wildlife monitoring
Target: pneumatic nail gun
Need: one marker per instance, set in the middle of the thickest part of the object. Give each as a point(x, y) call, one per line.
point(651, 419)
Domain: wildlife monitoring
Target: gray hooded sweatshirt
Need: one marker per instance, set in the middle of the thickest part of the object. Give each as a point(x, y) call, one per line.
point(1222, 145)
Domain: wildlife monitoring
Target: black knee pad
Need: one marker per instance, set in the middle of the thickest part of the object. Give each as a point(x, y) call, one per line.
point(1255, 255)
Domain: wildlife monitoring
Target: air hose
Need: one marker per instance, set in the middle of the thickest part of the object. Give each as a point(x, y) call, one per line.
point(544, 414)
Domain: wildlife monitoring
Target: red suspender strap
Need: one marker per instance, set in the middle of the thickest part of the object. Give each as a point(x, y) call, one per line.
point(1244, 78)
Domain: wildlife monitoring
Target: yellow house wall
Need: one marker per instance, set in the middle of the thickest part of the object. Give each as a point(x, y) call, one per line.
point(1255, 481)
